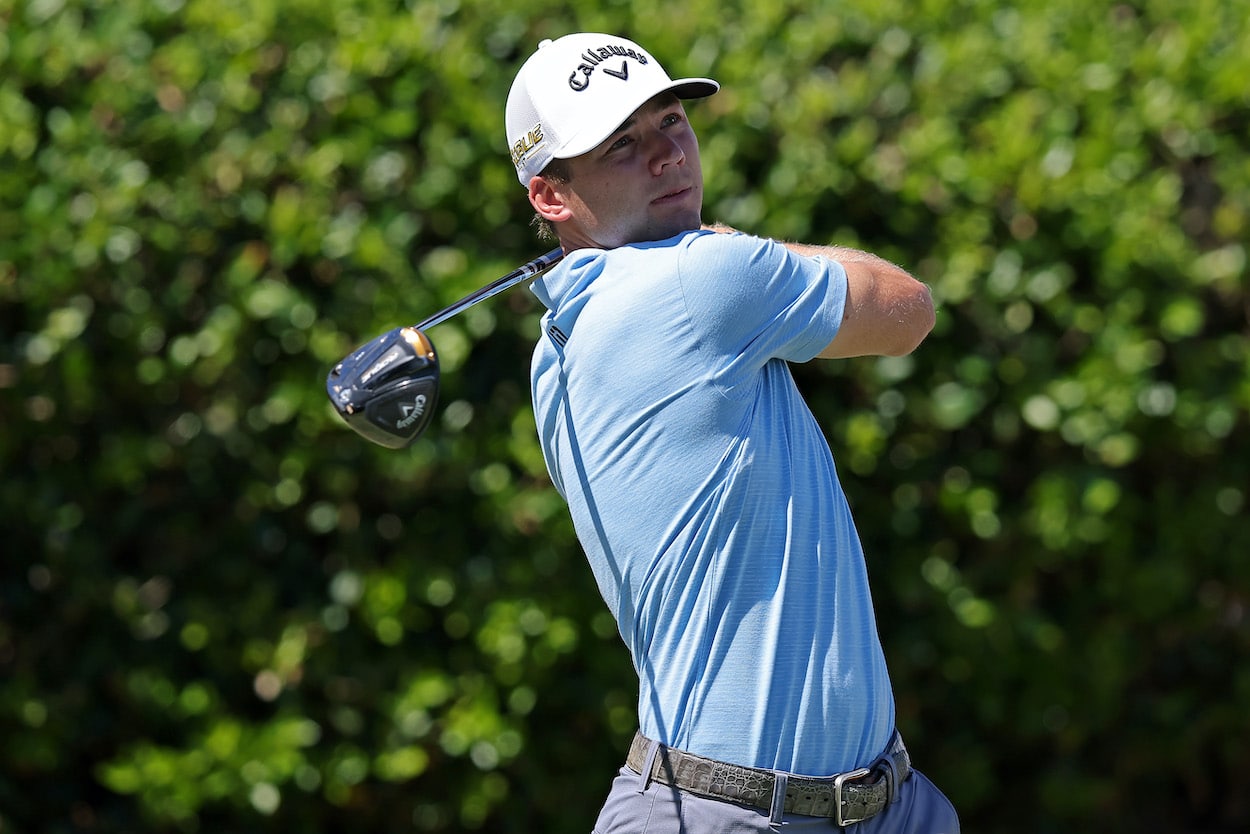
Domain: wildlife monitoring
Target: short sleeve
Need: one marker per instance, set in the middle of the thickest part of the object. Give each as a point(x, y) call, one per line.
point(755, 300)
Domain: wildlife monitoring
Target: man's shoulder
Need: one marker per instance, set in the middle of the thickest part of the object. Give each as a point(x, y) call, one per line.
point(740, 245)
point(710, 253)
point(705, 245)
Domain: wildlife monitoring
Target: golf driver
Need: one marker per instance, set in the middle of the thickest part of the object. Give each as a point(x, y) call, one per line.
point(387, 388)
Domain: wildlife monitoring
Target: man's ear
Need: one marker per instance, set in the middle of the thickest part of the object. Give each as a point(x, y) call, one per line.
point(548, 200)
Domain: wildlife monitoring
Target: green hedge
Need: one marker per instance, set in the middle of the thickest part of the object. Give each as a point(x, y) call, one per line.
point(222, 611)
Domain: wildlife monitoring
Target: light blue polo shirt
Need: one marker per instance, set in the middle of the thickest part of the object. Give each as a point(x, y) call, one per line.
point(705, 496)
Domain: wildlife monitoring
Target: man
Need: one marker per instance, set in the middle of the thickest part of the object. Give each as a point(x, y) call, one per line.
point(702, 490)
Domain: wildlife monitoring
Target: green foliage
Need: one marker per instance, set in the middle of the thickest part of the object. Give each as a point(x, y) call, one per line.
point(220, 610)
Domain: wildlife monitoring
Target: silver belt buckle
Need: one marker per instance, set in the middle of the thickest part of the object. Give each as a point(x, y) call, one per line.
point(838, 780)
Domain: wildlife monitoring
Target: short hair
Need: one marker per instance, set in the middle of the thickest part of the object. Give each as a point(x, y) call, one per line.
point(559, 171)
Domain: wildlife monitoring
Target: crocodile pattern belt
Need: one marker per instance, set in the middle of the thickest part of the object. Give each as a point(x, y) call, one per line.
point(846, 798)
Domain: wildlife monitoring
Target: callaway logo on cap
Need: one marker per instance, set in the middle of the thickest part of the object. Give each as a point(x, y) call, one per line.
point(574, 92)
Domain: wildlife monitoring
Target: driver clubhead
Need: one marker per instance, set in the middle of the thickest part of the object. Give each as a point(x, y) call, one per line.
point(387, 388)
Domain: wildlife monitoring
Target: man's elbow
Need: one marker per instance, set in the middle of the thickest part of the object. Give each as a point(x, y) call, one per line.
point(917, 316)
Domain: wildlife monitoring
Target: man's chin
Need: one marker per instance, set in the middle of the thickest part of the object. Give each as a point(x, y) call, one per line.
point(657, 229)
point(686, 222)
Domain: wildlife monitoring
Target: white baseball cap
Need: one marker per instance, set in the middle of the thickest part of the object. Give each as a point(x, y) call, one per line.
point(575, 91)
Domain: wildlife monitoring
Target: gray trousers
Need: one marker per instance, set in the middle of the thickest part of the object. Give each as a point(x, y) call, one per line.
point(631, 808)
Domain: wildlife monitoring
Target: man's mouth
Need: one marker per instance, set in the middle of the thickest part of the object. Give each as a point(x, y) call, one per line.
point(672, 196)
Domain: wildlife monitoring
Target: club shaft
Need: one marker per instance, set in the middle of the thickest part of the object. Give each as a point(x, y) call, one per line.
point(522, 273)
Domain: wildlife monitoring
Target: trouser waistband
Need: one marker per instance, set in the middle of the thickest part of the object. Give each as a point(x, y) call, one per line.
point(845, 798)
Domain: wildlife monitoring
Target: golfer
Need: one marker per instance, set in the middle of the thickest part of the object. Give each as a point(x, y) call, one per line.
point(702, 489)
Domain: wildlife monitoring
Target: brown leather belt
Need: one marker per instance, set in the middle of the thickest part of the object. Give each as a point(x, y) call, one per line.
point(845, 798)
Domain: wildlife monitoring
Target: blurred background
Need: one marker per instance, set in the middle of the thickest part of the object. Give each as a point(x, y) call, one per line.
point(222, 611)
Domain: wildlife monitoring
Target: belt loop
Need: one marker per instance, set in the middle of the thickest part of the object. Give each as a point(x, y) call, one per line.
point(892, 755)
point(889, 769)
point(653, 750)
point(781, 780)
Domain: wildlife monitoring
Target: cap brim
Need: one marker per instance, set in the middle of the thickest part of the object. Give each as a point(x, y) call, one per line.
point(683, 88)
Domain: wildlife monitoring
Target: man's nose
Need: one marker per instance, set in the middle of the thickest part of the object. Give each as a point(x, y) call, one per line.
point(664, 150)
